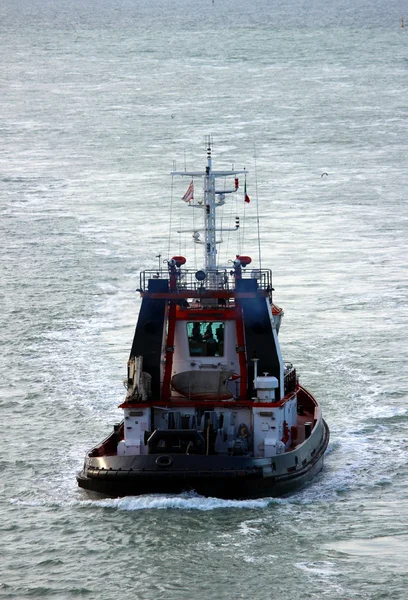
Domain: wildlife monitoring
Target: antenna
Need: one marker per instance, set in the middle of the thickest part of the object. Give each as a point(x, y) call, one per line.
point(209, 148)
point(257, 210)
point(171, 213)
point(244, 221)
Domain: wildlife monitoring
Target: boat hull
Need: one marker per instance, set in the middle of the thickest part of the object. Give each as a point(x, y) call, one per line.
point(229, 477)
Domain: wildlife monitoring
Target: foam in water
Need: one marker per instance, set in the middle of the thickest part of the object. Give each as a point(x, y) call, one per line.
point(185, 501)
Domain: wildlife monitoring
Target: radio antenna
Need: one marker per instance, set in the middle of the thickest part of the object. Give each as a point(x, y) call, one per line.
point(257, 210)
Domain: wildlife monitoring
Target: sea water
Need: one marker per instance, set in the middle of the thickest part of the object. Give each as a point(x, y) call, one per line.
point(99, 102)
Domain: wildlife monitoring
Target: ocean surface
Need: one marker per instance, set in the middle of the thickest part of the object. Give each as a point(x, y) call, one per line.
point(99, 100)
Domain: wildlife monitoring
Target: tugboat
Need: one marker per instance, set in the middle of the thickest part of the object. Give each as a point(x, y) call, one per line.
point(211, 406)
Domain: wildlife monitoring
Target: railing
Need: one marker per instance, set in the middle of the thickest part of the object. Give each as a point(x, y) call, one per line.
point(290, 381)
point(217, 279)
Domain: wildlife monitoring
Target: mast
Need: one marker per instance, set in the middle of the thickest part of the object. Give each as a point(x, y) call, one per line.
point(213, 199)
point(209, 206)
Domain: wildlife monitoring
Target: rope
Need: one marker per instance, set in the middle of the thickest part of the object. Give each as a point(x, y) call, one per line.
point(244, 220)
point(194, 242)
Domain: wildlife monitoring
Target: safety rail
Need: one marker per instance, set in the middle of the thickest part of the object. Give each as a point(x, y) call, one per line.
point(217, 279)
point(290, 380)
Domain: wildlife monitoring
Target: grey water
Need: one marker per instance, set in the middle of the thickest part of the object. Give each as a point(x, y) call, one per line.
point(98, 100)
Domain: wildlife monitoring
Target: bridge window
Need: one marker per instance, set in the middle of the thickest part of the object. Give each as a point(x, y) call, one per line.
point(206, 338)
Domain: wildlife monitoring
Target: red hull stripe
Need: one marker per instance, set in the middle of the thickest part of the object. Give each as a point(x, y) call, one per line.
point(181, 403)
point(243, 387)
point(179, 295)
point(205, 314)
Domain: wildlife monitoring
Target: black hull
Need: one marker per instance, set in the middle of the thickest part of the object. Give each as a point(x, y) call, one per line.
point(219, 487)
point(216, 476)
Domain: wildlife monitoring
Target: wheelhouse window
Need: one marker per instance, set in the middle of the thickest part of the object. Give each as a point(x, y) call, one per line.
point(206, 338)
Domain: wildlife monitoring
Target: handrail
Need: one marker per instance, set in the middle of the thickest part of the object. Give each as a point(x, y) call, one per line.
point(215, 279)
